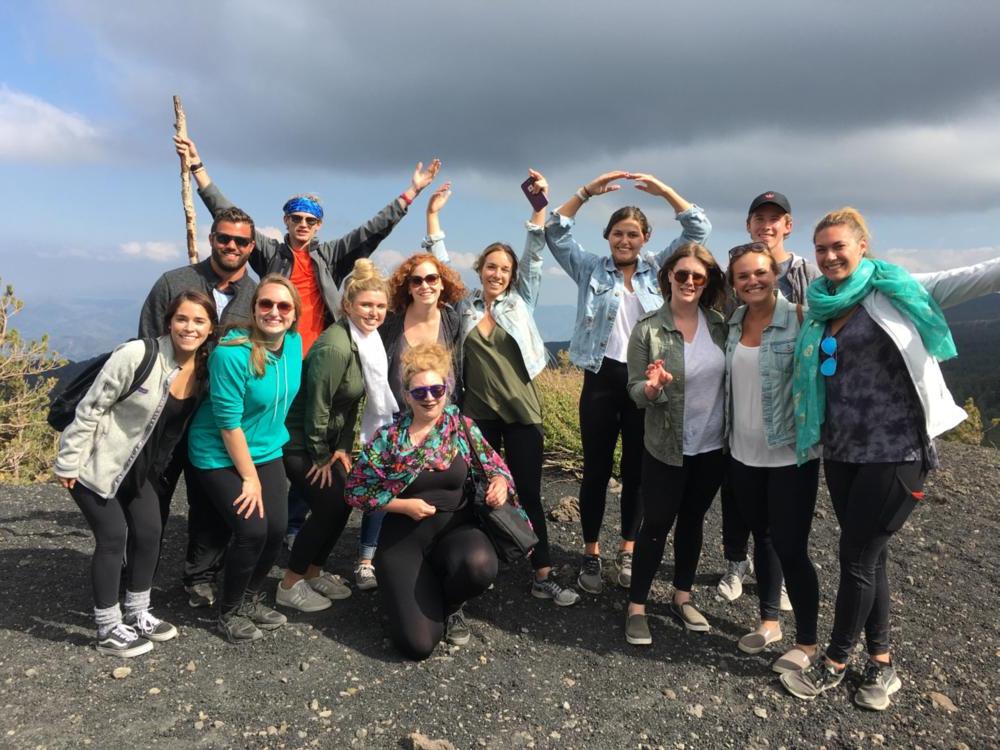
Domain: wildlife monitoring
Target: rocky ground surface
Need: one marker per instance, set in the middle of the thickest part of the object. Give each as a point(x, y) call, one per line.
point(533, 675)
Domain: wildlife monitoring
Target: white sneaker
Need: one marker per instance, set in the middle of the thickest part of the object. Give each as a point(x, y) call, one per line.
point(737, 573)
point(301, 597)
point(784, 603)
point(364, 577)
point(329, 585)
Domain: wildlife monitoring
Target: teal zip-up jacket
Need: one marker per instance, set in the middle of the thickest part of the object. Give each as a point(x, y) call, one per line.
point(656, 337)
point(237, 397)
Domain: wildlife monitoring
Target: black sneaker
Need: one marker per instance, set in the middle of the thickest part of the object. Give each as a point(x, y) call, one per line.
point(151, 628)
point(260, 614)
point(122, 640)
point(236, 628)
point(456, 629)
point(200, 595)
point(810, 682)
point(877, 684)
point(590, 579)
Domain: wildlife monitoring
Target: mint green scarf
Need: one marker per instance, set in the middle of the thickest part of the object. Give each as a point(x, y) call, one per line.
point(826, 303)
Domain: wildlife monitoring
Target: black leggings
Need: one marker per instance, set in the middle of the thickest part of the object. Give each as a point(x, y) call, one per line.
point(116, 525)
point(683, 493)
point(426, 570)
point(735, 531)
point(327, 518)
point(256, 541)
point(872, 502)
point(777, 504)
point(605, 411)
point(522, 446)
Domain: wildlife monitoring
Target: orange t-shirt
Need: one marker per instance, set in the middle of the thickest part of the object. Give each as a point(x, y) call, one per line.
point(313, 318)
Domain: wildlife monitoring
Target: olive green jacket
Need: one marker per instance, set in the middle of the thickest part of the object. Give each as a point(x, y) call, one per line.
point(325, 412)
point(656, 337)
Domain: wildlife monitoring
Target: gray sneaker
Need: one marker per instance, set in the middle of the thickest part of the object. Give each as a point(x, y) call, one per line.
point(808, 683)
point(623, 565)
point(637, 630)
point(877, 684)
point(236, 628)
point(590, 579)
point(689, 616)
point(456, 629)
point(260, 614)
point(549, 588)
point(364, 577)
point(200, 595)
point(329, 585)
point(302, 597)
point(737, 573)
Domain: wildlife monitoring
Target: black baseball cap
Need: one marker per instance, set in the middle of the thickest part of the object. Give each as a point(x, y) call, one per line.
point(771, 197)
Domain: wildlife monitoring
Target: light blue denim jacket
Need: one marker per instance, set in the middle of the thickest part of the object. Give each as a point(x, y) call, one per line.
point(601, 285)
point(776, 359)
point(513, 309)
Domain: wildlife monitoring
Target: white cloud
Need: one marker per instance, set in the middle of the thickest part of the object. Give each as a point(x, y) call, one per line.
point(275, 233)
point(157, 251)
point(34, 131)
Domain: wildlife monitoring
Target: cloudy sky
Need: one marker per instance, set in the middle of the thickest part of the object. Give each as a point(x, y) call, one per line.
point(893, 107)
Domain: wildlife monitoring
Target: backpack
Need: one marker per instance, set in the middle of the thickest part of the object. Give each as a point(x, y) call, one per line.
point(62, 408)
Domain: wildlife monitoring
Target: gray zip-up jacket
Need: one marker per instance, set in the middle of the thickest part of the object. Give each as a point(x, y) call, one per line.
point(332, 260)
point(106, 436)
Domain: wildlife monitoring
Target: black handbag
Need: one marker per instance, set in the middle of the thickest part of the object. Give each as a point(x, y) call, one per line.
point(508, 530)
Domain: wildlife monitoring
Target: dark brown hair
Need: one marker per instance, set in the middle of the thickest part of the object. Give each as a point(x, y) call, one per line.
point(208, 305)
point(629, 212)
point(492, 248)
point(234, 215)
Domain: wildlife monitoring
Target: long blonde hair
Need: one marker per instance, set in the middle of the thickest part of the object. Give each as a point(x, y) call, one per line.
point(257, 338)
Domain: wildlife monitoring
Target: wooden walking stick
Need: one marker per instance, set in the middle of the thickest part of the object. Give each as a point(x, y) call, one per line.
point(180, 126)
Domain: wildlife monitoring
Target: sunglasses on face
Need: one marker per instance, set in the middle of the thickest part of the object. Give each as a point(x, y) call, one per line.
point(828, 346)
point(433, 391)
point(682, 276)
point(310, 221)
point(265, 305)
point(431, 279)
point(224, 239)
point(750, 247)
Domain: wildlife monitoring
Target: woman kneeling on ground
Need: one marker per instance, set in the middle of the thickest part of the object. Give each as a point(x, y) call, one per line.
point(676, 368)
point(321, 425)
point(774, 496)
point(235, 445)
point(869, 388)
point(111, 458)
point(432, 556)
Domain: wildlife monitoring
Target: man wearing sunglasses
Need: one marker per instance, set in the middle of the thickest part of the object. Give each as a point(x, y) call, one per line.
point(317, 269)
point(223, 277)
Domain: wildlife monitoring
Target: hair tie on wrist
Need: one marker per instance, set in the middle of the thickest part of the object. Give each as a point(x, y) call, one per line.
point(582, 194)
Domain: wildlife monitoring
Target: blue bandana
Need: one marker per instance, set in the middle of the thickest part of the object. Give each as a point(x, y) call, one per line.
point(303, 206)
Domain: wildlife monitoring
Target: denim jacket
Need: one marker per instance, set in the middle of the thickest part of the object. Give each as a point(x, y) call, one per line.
point(601, 285)
point(776, 359)
point(655, 337)
point(513, 309)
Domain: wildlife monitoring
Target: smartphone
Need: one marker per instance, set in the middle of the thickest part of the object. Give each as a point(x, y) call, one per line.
point(538, 201)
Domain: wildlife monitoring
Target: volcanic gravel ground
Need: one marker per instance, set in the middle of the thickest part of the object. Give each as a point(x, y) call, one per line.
point(533, 675)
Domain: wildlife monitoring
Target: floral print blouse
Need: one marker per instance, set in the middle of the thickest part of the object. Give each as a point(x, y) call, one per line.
point(390, 462)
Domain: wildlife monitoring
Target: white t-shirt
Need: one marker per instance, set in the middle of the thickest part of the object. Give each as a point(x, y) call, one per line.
point(704, 372)
point(629, 311)
point(747, 440)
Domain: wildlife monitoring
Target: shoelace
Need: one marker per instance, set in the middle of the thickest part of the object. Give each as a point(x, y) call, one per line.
point(145, 622)
point(123, 632)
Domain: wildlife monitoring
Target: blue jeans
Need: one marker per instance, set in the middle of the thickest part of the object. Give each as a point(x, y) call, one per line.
point(371, 525)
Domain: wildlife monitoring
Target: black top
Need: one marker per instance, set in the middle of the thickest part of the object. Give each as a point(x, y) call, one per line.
point(155, 455)
point(450, 335)
point(873, 414)
point(445, 490)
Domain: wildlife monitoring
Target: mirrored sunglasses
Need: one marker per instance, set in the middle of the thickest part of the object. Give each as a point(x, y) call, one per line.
point(310, 221)
point(828, 346)
point(433, 391)
point(698, 279)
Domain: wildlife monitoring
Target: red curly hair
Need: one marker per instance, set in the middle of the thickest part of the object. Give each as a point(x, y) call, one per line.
point(399, 283)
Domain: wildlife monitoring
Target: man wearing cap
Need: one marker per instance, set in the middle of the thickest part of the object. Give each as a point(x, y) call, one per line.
point(769, 221)
point(317, 269)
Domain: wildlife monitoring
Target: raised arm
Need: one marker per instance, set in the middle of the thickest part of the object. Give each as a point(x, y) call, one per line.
point(695, 225)
point(958, 285)
point(529, 277)
point(434, 241)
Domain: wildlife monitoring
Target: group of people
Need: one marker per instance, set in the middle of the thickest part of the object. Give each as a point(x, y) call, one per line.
point(741, 380)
